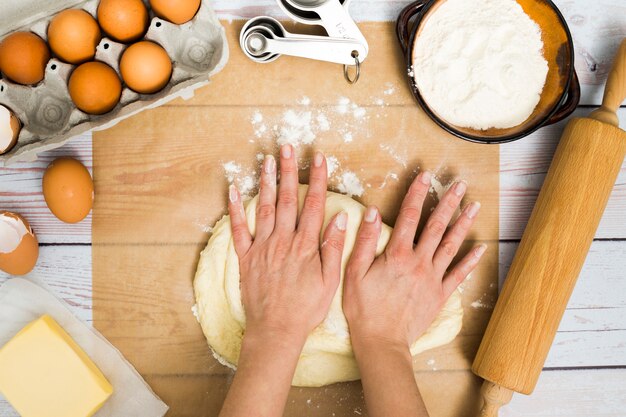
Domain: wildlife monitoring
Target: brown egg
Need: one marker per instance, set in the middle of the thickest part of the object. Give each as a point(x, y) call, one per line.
point(19, 248)
point(10, 127)
point(176, 11)
point(123, 20)
point(145, 67)
point(95, 88)
point(68, 190)
point(23, 58)
point(73, 36)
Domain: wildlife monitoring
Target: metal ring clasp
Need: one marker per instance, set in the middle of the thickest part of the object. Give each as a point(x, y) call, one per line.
point(357, 74)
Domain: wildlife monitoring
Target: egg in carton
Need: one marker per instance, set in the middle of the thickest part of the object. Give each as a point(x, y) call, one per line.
point(198, 49)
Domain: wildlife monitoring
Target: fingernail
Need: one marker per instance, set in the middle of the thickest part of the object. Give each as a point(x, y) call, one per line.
point(342, 221)
point(232, 193)
point(426, 177)
point(269, 164)
point(318, 159)
point(473, 209)
point(460, 188)
point(286, 151)
point(371, 214)
point(479, 251)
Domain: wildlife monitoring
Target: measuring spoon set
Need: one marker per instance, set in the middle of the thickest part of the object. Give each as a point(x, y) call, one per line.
point(264, 39)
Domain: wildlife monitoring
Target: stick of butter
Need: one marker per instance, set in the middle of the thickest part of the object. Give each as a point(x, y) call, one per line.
point(43, 372)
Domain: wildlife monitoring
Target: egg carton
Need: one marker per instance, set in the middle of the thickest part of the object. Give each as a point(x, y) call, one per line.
point(198, 49)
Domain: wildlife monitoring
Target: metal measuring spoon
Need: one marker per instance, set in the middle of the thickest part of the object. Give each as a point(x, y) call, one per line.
point(264, 39)
point(303, 16)
point(334, 18)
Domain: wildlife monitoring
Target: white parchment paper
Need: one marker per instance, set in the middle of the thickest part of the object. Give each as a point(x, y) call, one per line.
point(22, 301)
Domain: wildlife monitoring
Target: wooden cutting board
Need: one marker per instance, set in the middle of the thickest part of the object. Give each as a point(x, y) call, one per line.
point(160, 185)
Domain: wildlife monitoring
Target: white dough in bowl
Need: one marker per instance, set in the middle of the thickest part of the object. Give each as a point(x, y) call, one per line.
point(327, 355)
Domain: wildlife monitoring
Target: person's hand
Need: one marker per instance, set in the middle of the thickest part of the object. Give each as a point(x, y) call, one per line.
point(393, 299)
point(287, 281)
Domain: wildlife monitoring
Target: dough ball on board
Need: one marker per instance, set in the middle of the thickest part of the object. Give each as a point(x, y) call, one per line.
point(73, 36)
point(123, 20)
point(23, 58)
point(327, 356)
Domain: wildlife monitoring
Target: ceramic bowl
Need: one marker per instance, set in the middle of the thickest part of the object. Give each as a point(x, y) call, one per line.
point(561, 92)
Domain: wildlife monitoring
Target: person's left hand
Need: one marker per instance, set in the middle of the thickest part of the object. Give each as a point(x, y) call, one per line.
point(287, 281)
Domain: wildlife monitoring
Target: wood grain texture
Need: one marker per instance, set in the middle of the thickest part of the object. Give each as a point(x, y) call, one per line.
point(596, 310)
point(573, 394)
point(66, 271)
point(523, 167)
point(20, 192)
point(154, 187)
point(551, 254)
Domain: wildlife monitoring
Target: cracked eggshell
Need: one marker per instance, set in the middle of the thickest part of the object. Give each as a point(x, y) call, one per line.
point(68, 190)
point(19, 248)
point(10, 127)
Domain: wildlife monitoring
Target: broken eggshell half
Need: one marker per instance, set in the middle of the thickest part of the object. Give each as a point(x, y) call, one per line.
point(10, 127)
point(19, 248)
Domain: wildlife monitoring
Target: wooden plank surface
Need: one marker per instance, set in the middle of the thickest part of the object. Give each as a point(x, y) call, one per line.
point(596, 307)
point(153, 187)
point(596, 311)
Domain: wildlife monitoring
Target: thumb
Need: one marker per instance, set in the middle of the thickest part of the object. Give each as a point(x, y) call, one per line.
point(332, 249)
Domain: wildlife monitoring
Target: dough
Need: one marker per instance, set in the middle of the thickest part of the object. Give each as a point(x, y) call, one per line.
point(327, 355)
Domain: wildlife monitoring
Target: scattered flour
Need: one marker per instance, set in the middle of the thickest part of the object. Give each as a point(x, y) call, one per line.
point(350, 184)
point(247, 181)
point(296, 129)
point(399, 157)
point(304, 101)
point(332, 163)
point(322, 122)
point(194, 311)
point(480, 303)
point(347, 137)
point(390, 89)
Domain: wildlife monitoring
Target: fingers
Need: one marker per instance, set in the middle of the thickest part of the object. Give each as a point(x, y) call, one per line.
point(287, 207)
point(454, 238)
point(364, 251)
point(266, 208)
point(312, 217)
point(332, 250)
point(238, 223)
point(458, 274)
point(440, 219)
point(410, 213)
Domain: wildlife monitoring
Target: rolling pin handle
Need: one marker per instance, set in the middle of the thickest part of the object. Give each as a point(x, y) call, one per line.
point(615, 90)
point(494, 397)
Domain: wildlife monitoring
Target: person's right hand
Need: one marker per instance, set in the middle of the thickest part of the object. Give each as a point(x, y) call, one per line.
point(393, 298)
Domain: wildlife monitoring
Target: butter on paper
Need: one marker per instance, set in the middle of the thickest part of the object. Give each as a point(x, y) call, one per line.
point(22, 301)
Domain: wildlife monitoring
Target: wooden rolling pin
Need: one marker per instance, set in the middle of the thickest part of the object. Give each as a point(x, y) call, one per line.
point(553, 249)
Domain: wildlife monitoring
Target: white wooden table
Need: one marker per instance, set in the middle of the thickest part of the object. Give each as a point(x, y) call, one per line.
point(585, 374)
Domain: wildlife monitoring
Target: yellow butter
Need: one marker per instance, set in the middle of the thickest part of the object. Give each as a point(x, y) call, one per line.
point(44, 373)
